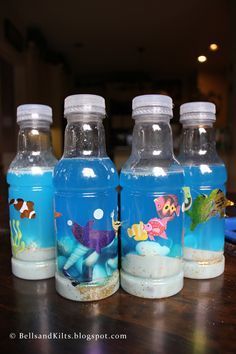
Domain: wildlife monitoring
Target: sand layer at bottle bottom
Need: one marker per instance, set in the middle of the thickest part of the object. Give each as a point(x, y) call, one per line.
point(87, 292)
point(203, 264)
point(36, 254)
point(36, 270)
point(151, 277)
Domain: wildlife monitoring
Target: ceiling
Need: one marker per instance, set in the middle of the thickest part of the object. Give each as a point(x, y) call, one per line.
point(150, 36)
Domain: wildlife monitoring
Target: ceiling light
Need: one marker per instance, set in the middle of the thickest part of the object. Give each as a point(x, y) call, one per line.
point(213, 47)
point(202, 58)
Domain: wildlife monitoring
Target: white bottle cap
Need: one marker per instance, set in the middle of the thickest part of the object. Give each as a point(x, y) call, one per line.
point(34, 112)
point(197, 112)
point(84, 103)
point(152, 104)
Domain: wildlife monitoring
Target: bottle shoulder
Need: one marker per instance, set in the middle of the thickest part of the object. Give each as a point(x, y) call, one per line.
point(28, 160)
point(144, 165)
point(153, 167)
point(85, 173)
point(157, 175)
point(199, 157)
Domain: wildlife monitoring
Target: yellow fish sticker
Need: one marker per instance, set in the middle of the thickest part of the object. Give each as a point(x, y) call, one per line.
point(137, 231)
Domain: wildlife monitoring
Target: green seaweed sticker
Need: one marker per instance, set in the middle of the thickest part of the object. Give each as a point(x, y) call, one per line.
point(204, 207)
point(18, 245)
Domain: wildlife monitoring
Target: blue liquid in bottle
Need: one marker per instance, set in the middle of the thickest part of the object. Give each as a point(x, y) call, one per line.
point(85, 193)
point(31, 210)
point(85, 181)
point(139, 197)
point(205, 233)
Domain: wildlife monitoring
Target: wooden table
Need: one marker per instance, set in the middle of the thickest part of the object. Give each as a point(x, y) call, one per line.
point(200, 319)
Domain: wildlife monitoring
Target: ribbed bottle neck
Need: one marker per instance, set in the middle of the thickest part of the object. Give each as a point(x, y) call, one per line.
point(84, 136)
point(152, 137)
point(198, 142)
point(34, 136)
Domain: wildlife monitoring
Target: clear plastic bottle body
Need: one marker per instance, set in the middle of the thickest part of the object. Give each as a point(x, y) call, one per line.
point(151, 216)
point(205, 180)
point(85, 182)
point(31, 202)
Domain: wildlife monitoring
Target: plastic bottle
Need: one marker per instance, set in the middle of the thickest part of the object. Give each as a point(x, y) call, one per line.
point(85, 182)
point(151, 199)
point(31, 195)
point(205, 178)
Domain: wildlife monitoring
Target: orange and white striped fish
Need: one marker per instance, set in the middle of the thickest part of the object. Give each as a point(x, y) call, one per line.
point(25, 208)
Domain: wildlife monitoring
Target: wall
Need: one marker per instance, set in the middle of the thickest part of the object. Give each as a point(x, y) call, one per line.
point(34, 81)
point(216, 88)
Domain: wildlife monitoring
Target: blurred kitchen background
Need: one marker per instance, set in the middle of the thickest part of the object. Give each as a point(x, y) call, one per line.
point(118, 49)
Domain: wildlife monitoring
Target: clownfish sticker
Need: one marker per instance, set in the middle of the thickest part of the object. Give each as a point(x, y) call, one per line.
point(25, 208)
